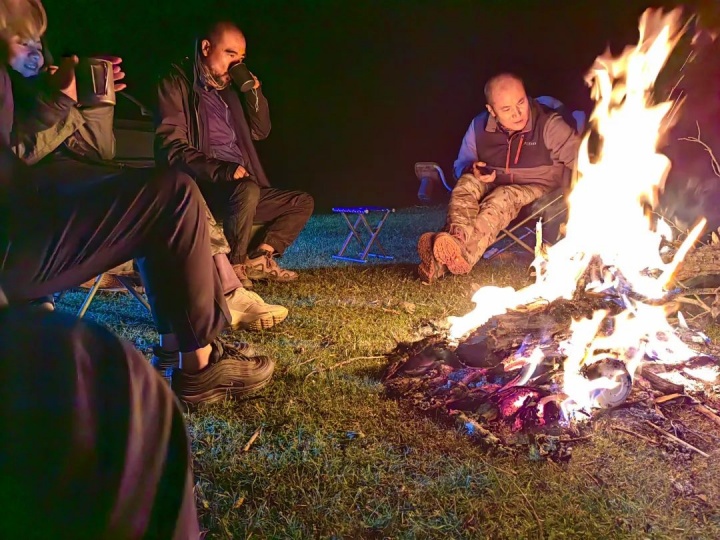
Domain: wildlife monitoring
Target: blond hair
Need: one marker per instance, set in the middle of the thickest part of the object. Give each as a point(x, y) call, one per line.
point(25, 19)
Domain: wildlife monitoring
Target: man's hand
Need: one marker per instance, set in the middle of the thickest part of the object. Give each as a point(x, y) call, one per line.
point(240, 172)
point(257, 82)
point(479, 171)
point(118, 73)
point(62, 77)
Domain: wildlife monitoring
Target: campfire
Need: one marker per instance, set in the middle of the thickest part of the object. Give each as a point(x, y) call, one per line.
point(544, 358)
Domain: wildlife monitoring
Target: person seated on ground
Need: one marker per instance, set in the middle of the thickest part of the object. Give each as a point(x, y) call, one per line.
point(76, 144)
point(51, 240)
point(512, 154)
point(94, 444)
point(206, 128)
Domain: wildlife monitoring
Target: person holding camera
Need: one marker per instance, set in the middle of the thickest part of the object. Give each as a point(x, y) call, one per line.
point(206, 128)
point(511, 155)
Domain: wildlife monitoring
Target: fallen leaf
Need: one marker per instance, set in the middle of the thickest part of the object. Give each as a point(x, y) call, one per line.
point(408, 307)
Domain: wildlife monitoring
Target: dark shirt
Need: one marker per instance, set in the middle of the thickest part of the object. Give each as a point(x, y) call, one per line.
point(222, 139)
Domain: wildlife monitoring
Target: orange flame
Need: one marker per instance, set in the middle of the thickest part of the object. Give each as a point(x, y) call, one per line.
point(608, 221)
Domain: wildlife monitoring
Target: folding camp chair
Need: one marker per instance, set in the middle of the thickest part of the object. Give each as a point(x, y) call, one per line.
point(551, 209)
point(102, 280)
point(432, 180)
point(357, 233)
point(114, 280)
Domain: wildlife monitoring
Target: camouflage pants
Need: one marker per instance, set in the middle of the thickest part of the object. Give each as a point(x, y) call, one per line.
point(478, 212)
point(218, 243)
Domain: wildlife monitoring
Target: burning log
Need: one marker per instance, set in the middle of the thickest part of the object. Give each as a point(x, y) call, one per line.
point(660, 384)
point(537, 360)
point(545, 325)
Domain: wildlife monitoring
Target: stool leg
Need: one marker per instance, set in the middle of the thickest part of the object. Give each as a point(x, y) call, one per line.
point(351, 234)
point(374, 238)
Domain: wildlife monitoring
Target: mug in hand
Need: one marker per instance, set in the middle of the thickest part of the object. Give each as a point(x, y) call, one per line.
point(240, 74)
point(95, 84)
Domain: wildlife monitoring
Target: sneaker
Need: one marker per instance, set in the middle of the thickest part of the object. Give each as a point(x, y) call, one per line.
point(430, 269)
point(264, 266)
point(451, 252)
point(242, 275)
point(250, 312)
point(165, 361)
point(229, 374)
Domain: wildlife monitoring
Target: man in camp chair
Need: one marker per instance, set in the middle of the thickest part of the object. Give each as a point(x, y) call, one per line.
point(512, 154)
point(74, 145)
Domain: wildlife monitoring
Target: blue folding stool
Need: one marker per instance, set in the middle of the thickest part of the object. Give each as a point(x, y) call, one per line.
point(373, 231)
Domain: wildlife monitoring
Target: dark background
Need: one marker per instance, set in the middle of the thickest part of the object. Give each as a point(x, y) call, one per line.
point(361, 90)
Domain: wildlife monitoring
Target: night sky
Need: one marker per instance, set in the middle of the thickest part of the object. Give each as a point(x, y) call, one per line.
point(360, 91)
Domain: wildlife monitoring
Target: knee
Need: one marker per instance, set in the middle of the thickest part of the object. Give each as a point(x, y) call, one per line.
point(245, 193)
point(172, 185)
point(465, 182)
point(306, 203)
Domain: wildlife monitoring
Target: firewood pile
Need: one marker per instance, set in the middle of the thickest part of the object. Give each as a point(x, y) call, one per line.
point(486, 384)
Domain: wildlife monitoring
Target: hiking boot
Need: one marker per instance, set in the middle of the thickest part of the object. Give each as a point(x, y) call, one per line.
point(165, 361)
point(242, 275)
point(451, 252)
point(250, 312)
point(264, 266)
point(430, 269)
point(229, 374)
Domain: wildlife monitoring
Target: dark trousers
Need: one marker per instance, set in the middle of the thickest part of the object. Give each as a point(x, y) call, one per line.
point(241, 203)
point(94, 444)
point(72, 233)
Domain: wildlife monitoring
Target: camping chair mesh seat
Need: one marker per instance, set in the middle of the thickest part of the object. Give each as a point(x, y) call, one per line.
point(551, 209)
point(122, 278)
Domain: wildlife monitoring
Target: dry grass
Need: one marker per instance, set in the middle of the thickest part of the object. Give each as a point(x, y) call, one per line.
point(336, 459)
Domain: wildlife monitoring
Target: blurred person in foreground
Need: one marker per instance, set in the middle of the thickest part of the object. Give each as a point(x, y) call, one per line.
point(94, 443)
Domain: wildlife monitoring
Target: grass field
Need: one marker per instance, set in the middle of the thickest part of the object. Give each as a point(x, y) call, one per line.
point(336, 459)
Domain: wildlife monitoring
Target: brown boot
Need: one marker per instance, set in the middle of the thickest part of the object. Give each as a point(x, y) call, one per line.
point(264, 266)
point(242, 275)
point(451, 252)
point(430, 269)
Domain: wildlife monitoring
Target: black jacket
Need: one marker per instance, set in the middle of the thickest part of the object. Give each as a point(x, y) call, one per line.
point(181, 135)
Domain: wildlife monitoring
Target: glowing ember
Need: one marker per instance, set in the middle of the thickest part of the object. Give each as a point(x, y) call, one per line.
point(611, 241)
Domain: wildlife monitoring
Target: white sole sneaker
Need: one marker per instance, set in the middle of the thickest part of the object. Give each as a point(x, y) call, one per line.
point(250, 312)
point(255, 322)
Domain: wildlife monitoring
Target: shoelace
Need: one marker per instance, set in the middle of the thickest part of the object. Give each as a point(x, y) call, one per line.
point(222, 348)
point(255, 296)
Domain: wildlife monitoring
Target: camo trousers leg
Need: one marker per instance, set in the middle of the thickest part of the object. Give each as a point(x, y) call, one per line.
point(496, 211)
point(464, 205)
